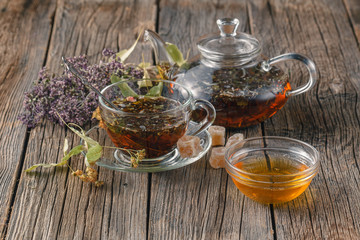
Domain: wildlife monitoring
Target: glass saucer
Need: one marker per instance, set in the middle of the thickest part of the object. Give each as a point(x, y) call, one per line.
point(172, 161)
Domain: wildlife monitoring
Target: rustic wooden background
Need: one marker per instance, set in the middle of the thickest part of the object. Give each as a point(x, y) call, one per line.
point(195, 202)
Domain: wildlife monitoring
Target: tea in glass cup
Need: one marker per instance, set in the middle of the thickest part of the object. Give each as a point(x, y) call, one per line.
point(151, 116)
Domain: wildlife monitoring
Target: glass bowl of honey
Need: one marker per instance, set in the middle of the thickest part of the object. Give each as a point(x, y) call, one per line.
point(272, 170)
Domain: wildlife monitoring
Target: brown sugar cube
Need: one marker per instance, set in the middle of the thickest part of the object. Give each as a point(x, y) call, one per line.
point(217, 157)
point(217, 135)
point(189, 146)
point(234, 139)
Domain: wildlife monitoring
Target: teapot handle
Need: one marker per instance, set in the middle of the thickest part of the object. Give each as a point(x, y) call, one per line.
point(266, 65)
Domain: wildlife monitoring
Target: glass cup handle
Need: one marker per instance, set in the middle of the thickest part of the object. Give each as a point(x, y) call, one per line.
point(207, 121)
point(310, 65)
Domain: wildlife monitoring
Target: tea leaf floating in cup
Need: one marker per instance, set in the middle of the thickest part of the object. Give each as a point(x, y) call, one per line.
point(145, 66)
point(155, 91)
point(154, 121)
point(124, 87)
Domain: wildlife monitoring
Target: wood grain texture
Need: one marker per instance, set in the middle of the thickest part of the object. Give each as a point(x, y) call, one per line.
point(24, 32)
point(198, 202)
point(353, 8)
point(50, 203)
point(195, 202)
point(244, 218)
point(326, 116)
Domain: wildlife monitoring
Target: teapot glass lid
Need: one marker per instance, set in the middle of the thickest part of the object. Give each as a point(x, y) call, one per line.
point(229, 45)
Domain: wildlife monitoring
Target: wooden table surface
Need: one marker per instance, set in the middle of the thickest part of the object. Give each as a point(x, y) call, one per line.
point(194, 202)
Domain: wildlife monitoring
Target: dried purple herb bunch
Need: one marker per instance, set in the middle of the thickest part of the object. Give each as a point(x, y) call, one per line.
point(67, 96)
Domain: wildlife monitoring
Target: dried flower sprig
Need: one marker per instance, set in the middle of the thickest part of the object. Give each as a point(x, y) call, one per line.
point(90, 176)
point(67, 95)
point(94, 153)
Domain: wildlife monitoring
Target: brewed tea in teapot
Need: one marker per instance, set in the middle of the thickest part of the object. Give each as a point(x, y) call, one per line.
point(244, 87)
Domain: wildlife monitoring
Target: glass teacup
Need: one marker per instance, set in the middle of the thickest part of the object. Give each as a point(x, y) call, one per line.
point(152, 115)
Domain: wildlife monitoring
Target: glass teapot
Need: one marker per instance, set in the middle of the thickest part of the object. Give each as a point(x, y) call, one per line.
point(244, 88)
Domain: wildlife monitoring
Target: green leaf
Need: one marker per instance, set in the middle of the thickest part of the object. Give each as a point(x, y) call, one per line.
point(94, 149)
point(75, 151)
point(45, 165)
point(175, 54)
point(126, 90)
point(94, 153)
point(121, 54)
point(185, 66)
point(155, 91)
point(114, 78)
point(144, 83)
point(124, 54)
point(124, 87)
point(82, 135)
point(144, 65)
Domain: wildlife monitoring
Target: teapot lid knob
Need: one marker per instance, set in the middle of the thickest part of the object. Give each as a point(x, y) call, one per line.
point(230, 47)
point(228, 26)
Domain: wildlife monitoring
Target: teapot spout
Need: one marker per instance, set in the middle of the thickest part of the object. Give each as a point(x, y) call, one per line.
point(159, 47)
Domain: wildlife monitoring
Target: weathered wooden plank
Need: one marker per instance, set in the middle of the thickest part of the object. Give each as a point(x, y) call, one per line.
point(51, 203)
point(198, 202)
point(353, 9)
point(244, 218)
point(24, 35)
point(326, 117)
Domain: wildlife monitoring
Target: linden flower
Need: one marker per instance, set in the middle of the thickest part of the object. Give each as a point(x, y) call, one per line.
point(90, 176)
point(99, 183)
point(77, 173)
point(137, 157)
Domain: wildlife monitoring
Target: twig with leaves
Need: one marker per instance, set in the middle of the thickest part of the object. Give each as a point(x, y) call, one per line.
point(94, 152)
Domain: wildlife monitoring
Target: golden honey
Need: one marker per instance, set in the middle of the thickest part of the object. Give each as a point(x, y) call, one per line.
point(271, 180)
